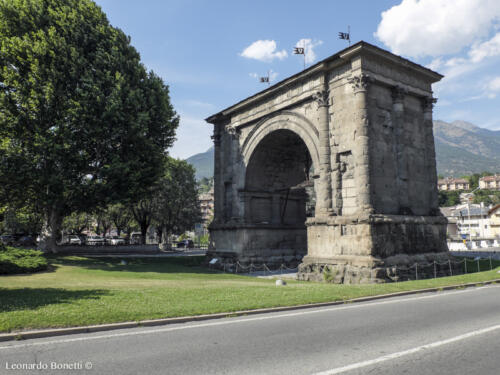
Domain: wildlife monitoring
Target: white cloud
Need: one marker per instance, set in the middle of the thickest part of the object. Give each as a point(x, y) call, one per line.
point(309, 45)
point(435, 64)
point(457, 66)
point(263, 50)
point(491, 88)
point(494, 84)
point(436, 27)
point(480, 51)
point(253, 75)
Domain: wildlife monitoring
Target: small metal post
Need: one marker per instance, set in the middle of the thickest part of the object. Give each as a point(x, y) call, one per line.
point(478, 266)
point(449, 265)
point(465, 264)
point(416, 271)
point(434, 268)
point(491, 264)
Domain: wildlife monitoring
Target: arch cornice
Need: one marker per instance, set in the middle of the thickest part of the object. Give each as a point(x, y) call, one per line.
point(283, 120)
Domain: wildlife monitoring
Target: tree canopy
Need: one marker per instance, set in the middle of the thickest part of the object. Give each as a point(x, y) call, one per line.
point(172, 204)
point(82, 123)
point(177, 207)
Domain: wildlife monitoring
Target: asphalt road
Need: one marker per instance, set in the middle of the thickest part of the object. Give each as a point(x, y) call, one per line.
point(456, 332)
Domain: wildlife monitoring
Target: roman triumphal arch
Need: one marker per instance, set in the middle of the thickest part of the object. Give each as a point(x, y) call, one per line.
point(333, 168)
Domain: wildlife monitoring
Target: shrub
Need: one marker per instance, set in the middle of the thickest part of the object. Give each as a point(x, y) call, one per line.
point(14, 260)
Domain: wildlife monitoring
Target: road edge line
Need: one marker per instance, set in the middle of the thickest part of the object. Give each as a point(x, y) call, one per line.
point(24, 335)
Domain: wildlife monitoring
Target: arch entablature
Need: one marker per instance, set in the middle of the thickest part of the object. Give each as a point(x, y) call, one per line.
point(285, 120)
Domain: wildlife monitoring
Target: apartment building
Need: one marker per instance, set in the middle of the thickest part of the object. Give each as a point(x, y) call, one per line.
point(490, 182)
point(450, 184)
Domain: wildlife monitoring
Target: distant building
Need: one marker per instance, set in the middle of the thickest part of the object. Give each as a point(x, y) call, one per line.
point(450, 184)
point(482, 222)
point(494, 216)
point(490, 182)
point(472, 220)
point(207, 206)
point(451, 228)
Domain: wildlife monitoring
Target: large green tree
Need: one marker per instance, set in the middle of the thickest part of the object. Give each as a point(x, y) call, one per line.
point(82, 124)
point(77, 222)
point(143, 211)
point(172, 204)
point(121, 218)
point(20, 220)
point(176, 204)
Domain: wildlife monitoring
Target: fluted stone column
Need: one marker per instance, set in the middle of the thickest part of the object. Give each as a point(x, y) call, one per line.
point(324, 191)
point(337, 185)
point(361, 149)
point(398, 96)
point(233, 170)
point(428, 103)
point(218, 178)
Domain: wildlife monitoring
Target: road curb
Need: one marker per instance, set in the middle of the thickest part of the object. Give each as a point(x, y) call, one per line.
point(23, 335)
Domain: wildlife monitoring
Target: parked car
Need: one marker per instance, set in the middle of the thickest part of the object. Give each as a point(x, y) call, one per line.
point(26, 241)
point(73, 239)
point(95, 240)
point(135, 238)
point(7, 239)
point(115, 240)
point(185, 244)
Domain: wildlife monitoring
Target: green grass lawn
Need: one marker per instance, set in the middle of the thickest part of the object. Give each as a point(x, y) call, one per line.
point(81, 291)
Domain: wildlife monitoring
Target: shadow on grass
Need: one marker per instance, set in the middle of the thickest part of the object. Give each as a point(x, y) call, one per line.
point(192, 264)
point(32, 298)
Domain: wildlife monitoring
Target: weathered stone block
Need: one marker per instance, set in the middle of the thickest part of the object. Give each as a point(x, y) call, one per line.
point(348, 144)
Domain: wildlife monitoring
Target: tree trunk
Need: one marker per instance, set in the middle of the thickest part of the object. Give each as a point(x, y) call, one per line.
point(159, 234)
point(50, 230)
point(127, 234)
point(144, 231)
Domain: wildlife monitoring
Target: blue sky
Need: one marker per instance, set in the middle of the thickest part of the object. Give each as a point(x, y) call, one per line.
point(212, 52)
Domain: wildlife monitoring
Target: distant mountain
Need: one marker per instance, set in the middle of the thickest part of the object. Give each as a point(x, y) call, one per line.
point(462, 148)
point(203, 163)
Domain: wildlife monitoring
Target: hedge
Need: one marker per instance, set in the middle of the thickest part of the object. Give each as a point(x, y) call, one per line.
point(14, 260)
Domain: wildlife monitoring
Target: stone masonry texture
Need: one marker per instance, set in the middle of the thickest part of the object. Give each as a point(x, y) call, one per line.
point(333, 168)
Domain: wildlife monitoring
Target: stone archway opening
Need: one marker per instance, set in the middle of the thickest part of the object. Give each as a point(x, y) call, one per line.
point(280, 171)
point(279, 189)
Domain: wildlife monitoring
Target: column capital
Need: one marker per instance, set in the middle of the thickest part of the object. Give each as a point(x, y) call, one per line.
point(428, 103)
point(216, 138)
point(360, 82)
point(233, 131)
point(321, 97)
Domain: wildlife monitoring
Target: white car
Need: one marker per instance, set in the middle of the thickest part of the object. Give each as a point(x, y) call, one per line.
point(115, 240)
point(73, 239)
point(95, 240)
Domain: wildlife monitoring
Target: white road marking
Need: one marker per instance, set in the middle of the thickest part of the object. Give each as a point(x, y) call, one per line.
point(242, 320)
point(388, 357)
